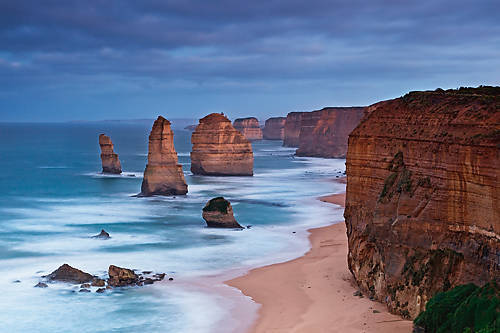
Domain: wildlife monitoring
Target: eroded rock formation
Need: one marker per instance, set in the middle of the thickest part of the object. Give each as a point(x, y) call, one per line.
point(66, 273)
point(324, 133)
point(423, 198)
point(274, 128)
point(218, 213)
point(292, 129)
point(109, 159)
point(163, 174)
point(219, 149)
point(249, 127)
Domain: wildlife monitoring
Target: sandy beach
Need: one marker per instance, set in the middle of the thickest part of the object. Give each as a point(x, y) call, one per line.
point(314, 293)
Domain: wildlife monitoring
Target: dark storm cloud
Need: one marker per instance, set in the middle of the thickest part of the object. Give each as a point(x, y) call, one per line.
point(220, 46)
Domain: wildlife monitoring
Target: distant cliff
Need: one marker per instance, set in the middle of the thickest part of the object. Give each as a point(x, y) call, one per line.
point(292, 129)
point(249, 127)
point(324, 133)
point(423, 197)
point(274, 128)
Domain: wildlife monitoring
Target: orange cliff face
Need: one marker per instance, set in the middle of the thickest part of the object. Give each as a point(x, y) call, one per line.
point(109, 159)
point(423, 198)
point(292, 129)
point(249, 127)
point(324, 133)
point(163, 174)
point(219, 149)
point(274, 128)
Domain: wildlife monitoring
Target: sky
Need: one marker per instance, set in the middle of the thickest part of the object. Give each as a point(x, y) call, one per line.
point(104, 59)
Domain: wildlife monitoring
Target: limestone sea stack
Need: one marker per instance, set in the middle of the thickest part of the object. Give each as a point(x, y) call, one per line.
point(274, 128)
point(109, 159)
point(292, 129)
point(324, 133)
point(219, 149)
point(423, 196)
point(218, 213)
point(249, 127)
point(163, 174)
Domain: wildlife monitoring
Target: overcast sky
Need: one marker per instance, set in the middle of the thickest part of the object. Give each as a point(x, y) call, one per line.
point(99, 59)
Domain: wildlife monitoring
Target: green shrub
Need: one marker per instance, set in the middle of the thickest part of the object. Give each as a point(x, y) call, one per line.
point(218, 204)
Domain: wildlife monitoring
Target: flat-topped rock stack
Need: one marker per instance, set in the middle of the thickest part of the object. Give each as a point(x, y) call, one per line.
point(109, 159)
point(163, 175)
point(274, 128)
point(249, 127)
point(219, 149)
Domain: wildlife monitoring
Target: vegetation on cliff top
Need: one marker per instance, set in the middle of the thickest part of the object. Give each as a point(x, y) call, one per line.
point(466, 308)
point(218, 204)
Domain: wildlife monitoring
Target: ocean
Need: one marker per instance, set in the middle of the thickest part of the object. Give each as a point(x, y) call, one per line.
point(53, 198)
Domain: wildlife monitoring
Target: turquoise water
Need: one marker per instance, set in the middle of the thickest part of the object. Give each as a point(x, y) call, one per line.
point(53, 198)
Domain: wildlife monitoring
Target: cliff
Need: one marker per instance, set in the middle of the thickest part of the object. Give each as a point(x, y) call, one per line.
point(324, 133)
point(292, 129)
point(249, 127)
point(274, 128)
point(109, 159)
point(163, 174)
point(422, 208)
point(219, 149)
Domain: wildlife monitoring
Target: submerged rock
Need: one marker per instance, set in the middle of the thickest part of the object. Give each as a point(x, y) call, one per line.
point(218, 213)
point(121, 277)
point(84, 291)
point(66, 273)
point(109, 159)
point(41, 285)
point(102, 235)
point(100, 290)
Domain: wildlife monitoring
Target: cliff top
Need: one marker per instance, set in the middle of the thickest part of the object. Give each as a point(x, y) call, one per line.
point(247, 118)
point(214, 118)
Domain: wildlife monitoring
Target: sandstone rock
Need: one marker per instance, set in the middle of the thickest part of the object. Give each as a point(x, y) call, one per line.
point(121, 277)
point(66, 273)
point(163, 174)
point(102, 235)
point(219, 149)
point(274, 128)
point(249, 127)
point(218, 213)
point(292, 129)
point(100, 290)
point(423, 197)
point(324, 133)
point(96, 282)
point(109, 159)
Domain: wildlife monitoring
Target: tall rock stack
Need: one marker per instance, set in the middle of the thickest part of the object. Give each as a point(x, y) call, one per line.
point(219, 149)
point(274, 128)
point(163, 174)
point(324, 133)
point(109, 159)
point(292, 129)
point(249, 127)
point(423, 196)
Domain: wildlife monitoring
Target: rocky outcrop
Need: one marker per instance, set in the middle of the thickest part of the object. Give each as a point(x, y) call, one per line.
point(292, 129)
point(218, 213)
point(324, 133)
point(66, 273)
point(219, 149)
point(102, 235)
point(274, 128)
point(249, 127)
point(422, 208)
point(109, 159)
point(121, 277)
point(163, 174)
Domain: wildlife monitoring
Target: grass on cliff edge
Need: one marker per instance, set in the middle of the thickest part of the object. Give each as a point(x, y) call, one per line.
point(466, 308)
point(218, 204)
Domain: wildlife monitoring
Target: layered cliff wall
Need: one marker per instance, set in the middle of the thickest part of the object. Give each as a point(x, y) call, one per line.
point(423, 198)
point(109, 159)
point(274, 128)
point(324, 133)
point(292, 129)
point(163, 174)
point(219, 149)
point(249, 127)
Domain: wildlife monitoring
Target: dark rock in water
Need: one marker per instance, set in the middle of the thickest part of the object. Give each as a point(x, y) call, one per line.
point(170, 279)
point(147, 272)
point(159, 276)
point(249, 226)
point(96, 282)
point(41, 285)
point(109, 287)
point(85, 285)
point(84, 291)
point(357, 293)
point(149, 281)
point(120, 277)
point(66, 273)
point(100, 290)
point(218, 213)
point(16, 281)
point(102, 235)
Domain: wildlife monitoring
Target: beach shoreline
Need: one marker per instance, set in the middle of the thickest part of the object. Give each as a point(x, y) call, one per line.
point(311, 293)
